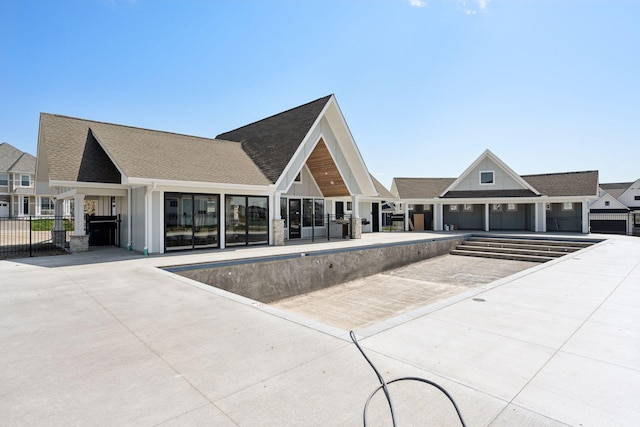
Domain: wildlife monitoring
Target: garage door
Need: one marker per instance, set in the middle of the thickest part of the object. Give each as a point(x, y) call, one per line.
point(4, 209)
point(609, 226)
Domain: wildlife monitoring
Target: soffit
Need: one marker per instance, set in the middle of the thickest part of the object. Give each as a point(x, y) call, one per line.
point(325, 172)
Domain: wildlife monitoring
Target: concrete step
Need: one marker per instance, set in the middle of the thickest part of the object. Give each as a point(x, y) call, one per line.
point(508, 256)
point(540, 251)
point(545, 242)
point(537, 247)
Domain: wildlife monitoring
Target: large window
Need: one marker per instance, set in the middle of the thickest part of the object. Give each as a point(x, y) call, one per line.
point(307, 209)
point(246, 220)
point(4, 179)
point(25, 180)
point(191, 221)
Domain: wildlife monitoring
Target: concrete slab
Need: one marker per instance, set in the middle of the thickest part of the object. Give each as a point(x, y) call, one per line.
point(106, 338)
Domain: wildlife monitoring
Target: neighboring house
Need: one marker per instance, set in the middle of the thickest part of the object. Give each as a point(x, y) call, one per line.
point(18, 197)
point(259, 184)
point(617, 210)
point(489, 195)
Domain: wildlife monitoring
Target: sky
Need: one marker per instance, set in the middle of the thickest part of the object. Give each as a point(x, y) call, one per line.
point(425, 86)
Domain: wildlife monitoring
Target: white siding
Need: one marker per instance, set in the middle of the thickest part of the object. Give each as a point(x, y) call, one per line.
point(502, 180)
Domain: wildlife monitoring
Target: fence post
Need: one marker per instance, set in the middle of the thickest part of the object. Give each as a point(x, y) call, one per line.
point(30, 232)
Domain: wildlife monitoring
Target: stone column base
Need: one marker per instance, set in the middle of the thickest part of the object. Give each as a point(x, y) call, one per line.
point(278, 232)
point(79, 244)
point(356, 228)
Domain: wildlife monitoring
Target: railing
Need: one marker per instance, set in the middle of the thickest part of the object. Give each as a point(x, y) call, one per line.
point(32, 236)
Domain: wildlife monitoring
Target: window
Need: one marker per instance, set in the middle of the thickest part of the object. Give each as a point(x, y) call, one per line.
point(46, 206)
point(496, 207)
point(636, 197)
point(298, 178)
point(607, 203)
point(4, 179)
point(567, 206)
point(283, 210)
point(349, 206)
point(318, 210)
point(512, 207)
point(467, 207)
point(307, 212)
point(453, 208)
point(25, 180)
point(486, 178)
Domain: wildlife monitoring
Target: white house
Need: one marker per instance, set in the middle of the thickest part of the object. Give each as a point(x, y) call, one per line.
point(489, 195)
point(289, 176)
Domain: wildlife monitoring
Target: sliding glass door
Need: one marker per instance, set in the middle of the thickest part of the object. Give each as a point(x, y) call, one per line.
point(191, 221)
point(246, 220)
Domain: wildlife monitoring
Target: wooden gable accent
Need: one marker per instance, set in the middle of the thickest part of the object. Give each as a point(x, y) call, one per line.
point(325, 172)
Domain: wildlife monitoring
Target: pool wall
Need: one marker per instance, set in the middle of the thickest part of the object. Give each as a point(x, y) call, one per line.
point(275, 278)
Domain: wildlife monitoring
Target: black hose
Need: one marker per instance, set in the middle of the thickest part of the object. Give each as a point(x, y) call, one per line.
point(383, 386)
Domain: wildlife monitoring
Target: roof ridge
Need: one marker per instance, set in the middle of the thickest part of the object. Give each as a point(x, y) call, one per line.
point(277, 114)
point(560, 173)
point(134, 127)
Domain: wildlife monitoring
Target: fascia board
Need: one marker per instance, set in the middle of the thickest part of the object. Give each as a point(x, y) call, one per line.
point(300, 148)
point(488, 154)
point(76, 184)
point(199, 184)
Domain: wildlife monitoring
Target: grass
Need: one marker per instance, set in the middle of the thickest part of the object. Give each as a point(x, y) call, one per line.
point(47, 224)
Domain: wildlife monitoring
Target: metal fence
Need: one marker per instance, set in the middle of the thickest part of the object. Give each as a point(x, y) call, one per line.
point(317, 227)
point(33, 236)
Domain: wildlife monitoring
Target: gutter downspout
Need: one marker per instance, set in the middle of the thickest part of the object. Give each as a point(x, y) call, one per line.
point(129, 218)
point(147, 215)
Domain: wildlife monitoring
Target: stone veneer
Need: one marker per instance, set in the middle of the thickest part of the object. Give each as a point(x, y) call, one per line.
point(356, 228)
point(79, 244)
point(278, 232)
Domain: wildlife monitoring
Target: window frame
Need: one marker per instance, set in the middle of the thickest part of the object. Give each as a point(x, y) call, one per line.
point(6, 180)
point(493, 177)
point(22, 176)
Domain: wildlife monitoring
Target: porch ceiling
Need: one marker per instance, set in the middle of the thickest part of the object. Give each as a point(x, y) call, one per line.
point(325, 172)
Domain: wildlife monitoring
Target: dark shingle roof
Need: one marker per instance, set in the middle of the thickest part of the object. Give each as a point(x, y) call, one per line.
point(565, 184)
point(74, 154)
point(489, 193)
point(421, 188)
point(271, 142)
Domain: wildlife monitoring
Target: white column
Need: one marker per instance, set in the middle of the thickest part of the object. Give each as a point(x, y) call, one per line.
point(355, 210)
point(438, 217)
point(406, 217)
point(276, 205)
point(78, 215)
point(585, 216)
point(486, 217)
point(223, 221)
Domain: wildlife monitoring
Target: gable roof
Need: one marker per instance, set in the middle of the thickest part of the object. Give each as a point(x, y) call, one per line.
point(14, 160)
point(381, 189)
point(524, 190)
point(421, 188)
point(616, 188)
point(78, 150)
point(551, 184)
point(272, 142)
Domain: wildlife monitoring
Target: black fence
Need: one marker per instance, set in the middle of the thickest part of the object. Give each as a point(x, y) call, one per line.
point(317, 227)
point(34, 236)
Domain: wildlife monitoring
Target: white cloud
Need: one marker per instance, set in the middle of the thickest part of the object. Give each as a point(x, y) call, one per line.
point(417, 3)
point(471, 7)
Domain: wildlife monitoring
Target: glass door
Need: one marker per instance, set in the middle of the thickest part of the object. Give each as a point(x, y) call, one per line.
point(295, 231)
point(205, 221)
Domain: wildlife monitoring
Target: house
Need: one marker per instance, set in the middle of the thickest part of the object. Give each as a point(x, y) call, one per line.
point(489, 196)
point(617, 210)
point(293, 175)
point(18, 197)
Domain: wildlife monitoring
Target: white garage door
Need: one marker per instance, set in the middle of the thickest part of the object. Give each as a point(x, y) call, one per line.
point(4, 209)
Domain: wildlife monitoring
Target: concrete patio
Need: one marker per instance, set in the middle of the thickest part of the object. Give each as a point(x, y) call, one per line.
point(107, 338)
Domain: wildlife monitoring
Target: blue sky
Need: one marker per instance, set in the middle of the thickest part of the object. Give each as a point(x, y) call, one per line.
point(425, 86)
